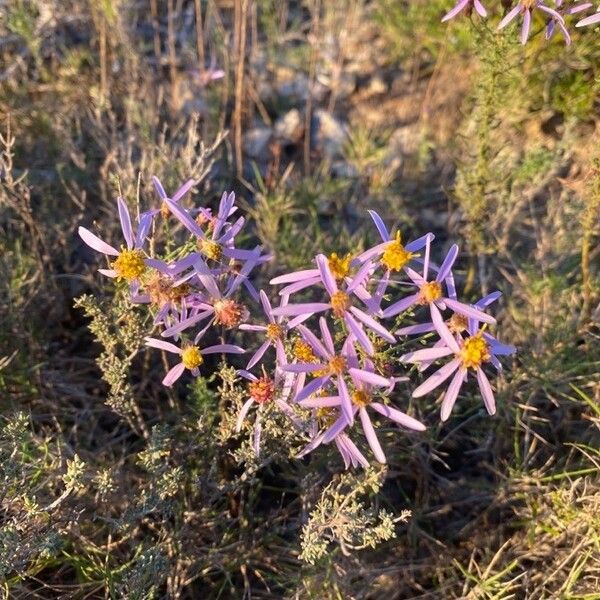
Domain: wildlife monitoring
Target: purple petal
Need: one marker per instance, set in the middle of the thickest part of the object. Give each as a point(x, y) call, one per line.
point(183, 190)
point(451, 394)
point(591, 20)
point(93, 241)
point(354, 454)
point(173, 375)
point(370, 377)
point(125, 222)
point(108, 272)
point(510, 16)
point(162, 345)
point(293, 310)
point(480, 8)
point(420, 242)
point(458, 8)
point(312, 387)
point(526, 26)
point(160, 190)
point(426, 354)
point(416, 329)
point(335, 430)
point(320, 402)
point(313, 341)
point(437, 378)
point(225, 348)
point(296, 276)
point(371, 323)
point(360, 277)
point(398, 416)
point(243, 413)
point(486, 391)
point(400, 306)
point(371, 436)
point(303, 367)
point(347, 408)
point(326, 276)
point(299, 285)
point(185, 219)
point(326, 336)
point(359, 334)
point(448, 263)
point(258, 354)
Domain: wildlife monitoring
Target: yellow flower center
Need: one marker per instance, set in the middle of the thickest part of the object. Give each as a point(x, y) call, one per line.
point(274, 332)
point(191, 357)
point(475, 351)
point(303, 352)
point(165, 211)
point(457, 323)
point(228, 313)
point(339, 267)
point(210, 249)
point(262, 390)
point(130, 264)
point(340, 303)
point(396, 256)
point(337, 365)
point(326, 416)
point(361, 398)
point(430, 292)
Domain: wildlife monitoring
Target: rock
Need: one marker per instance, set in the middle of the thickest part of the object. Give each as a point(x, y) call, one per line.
point(256, 142)
point(288, 128)
point(328, 135)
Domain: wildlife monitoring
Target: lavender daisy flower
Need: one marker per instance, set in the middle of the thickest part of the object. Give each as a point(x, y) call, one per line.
point(525, 8)
point(364, 381)
point(262, 391)
point(274, 331)
point(430, 292)
point(469, 354)
point(177, 196)
point(391, 253)
point(340, 304)
point(572, 10)
point(219, 307)
point(130, 263)
point(192, 357)
point(463, 5)
point(222, 234)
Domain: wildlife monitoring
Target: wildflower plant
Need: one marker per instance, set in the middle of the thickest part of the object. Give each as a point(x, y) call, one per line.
point(557, 14)
point(338, 371)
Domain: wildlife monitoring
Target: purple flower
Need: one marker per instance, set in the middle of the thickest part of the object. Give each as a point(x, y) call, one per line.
point(222, 233)
point(340, 304)
point(219, 307)
point(391, 253)
point(130, 263)
point(275, 332)
point(525, 8)
point(192, 356)
point(462, 5)
point(364, 380)
point(430, 292)
point(177, 196)
point(262, 391)
point(469, 354)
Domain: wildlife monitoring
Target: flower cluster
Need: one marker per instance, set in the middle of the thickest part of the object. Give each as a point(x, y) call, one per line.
point(331, 354)
point(555, 16)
